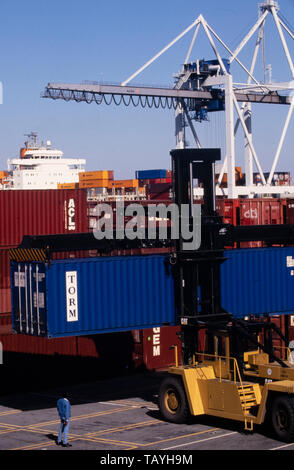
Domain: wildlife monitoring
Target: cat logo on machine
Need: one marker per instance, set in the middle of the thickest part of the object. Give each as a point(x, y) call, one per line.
point(71, 286)
point(70, 214)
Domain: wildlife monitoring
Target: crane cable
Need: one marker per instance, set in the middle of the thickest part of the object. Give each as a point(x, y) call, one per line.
point(163, 102)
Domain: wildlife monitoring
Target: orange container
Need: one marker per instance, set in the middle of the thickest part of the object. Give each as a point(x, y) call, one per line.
point(124, 183)
point(67, 186)
point(98, 183)
point(96, 175)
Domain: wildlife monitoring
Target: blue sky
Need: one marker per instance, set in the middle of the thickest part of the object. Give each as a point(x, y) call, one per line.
point(73, 41)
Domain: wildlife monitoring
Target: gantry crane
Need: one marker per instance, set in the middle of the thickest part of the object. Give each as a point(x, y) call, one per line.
point(206, 86)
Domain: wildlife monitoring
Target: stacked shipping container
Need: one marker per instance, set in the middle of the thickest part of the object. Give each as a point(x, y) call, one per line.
point(52, 212)
point(253, 212)
point(95, 179)
point(33, 213)
point(46, 212)
point(157, 183)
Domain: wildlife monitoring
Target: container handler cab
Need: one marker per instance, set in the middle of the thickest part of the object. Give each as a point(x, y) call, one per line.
point(229, 367)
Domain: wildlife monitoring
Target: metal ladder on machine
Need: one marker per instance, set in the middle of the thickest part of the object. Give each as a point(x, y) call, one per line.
point(248, 399)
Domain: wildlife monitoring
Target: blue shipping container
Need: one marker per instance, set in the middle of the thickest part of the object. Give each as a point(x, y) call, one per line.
point(150, 174)
point(91, 295)
point(107, 294)
point(258, 281)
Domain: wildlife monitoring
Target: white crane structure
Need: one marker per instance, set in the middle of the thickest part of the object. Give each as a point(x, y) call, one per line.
point(205, 86)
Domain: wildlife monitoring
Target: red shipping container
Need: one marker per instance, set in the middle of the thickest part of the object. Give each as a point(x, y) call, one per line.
point(5, 294)
point(228, 209)
point(259, 212)
point(150, 348)
point(5, 301)
point(5, 324)
point(289, 211)
point(158, 197)
point(4, 269)
point(283, 210)
point(158, 351)
point(251, 212)
point(41, 212)
point(35, 345)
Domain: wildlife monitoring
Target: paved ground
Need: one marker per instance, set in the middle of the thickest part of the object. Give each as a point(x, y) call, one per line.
point(117, 415)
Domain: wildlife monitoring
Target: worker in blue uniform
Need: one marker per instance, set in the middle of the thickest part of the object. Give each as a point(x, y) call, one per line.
point(64, 411)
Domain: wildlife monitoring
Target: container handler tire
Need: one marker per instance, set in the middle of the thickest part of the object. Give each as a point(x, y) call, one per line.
point(282, 417)
point(173, 403)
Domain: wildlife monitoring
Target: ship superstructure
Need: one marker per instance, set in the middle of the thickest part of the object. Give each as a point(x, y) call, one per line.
point(41, 167)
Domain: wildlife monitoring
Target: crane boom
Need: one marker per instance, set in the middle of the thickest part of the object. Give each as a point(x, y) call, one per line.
point(98, 92)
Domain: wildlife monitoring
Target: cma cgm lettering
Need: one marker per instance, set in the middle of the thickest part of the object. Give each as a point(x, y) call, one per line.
point(156, 341)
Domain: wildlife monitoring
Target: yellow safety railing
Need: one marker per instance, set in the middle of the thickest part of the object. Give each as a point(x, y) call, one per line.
point(216, 358)
point(236, 371)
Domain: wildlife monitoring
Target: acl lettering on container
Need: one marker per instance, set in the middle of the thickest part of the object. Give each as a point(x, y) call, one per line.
point(70, 212)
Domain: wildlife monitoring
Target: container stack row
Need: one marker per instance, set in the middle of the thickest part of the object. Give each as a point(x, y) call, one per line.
point(45, 212)
point(70, 211)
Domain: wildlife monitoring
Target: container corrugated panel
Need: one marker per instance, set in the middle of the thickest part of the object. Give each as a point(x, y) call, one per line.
point(33, 345)
point(5, 291)
point(289, 211)
point(4, 268)
point(41, 212)
point(5, 324)
point(227, 208)
point(258, 281)
point(5, 300)
point(90, 296)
